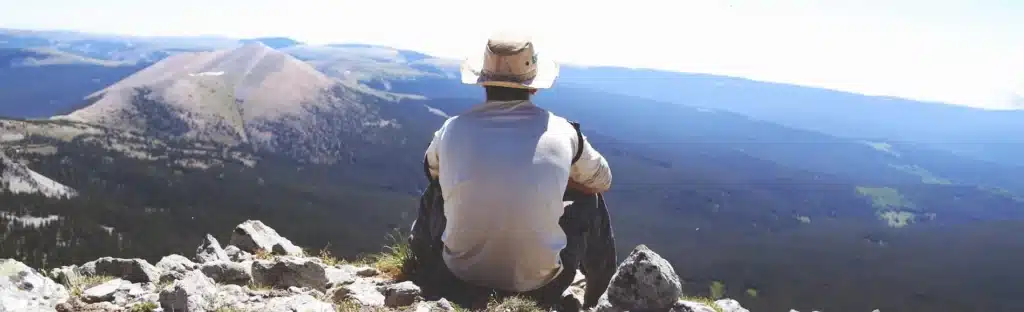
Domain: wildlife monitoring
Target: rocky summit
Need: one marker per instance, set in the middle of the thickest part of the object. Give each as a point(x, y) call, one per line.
point(267, 273)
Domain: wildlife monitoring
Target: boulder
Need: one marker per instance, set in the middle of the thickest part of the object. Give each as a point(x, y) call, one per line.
point(209, 250)
point(174, 267)
point(237, 255)
point(253, 235)
point(227, 272)
point(400, 294)
point(193, 292)
point(644, 281)
point(286, 272)
point(24, 289)
point(133, 270)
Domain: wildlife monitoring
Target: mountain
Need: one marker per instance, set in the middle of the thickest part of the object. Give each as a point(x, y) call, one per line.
point(69, 78)
point(976, 133)
point(783, 216)
point(17, 179)
point(252, 94)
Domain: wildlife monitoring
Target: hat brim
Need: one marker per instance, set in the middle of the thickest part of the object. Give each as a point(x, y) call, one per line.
point(547, 72)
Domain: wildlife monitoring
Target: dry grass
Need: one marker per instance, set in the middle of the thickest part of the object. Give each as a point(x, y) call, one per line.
point(262, 254)
point(81, 283)
point(707, 301)
point(513, 304)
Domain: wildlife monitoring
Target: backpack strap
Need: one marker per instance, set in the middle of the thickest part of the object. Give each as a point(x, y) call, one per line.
point(579, 141)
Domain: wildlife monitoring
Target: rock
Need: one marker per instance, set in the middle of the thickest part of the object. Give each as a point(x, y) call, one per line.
point(644, 281)
point(24, 289)
point(729, 305)
point(400, 294)
point(299, 302)
point(102, 292)
point(690, 306)
point(231, 298)
point(253, 235)
point(65, 274)
point(363, 292)
point(227, 272)
point(367, 272)
point(285, 272)
point(337, 277)
point(133, 270)
point(78, 306)
point(237, 255)
point(435, 306)
point(174, 267)
point(194, 292)
point(210, 250)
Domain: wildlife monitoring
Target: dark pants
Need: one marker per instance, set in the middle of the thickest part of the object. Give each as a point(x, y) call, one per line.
point(590, 248)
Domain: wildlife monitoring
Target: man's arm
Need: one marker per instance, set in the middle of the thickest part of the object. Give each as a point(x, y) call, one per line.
point(590, 173)
point(431, 155)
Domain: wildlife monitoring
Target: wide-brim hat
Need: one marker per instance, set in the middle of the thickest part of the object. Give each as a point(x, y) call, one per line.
point(510, 60)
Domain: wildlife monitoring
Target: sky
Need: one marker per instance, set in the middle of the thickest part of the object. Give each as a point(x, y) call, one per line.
point(968, 52)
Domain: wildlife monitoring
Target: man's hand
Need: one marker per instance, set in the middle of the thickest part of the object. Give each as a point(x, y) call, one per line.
point(582, 188)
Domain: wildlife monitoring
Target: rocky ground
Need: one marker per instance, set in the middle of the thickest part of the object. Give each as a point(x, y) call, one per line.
point(260, 270)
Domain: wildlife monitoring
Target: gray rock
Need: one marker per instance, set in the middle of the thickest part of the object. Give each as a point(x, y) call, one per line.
point(363, 292)
point(690, 306)
point(644, 281)
point(209, 250)
point(194, 292)
point(435, 306)
point(102, 292)
point(24, 289)
point(400, 294)
point(174, 267)
point(79, 306)
point(285, 272)
point(65, 274)
point(227, 272)
point(729, 305)
point(300, 302)
point(367, 272)
point(231, 297)
point(253, 235)
point(237, 255)
point(337, 277)
point(133, 270)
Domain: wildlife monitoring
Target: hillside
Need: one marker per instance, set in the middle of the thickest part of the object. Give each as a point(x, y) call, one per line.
point(15, 178)
point(325, 142)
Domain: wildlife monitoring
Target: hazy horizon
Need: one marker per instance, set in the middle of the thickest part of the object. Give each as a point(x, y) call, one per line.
point(962, 53)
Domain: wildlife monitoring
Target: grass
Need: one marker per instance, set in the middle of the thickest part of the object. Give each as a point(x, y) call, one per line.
point(81, 283)
point(143, 307)
point(717, 289)
point(390, 262)
point(514, 304)
point(706, 301)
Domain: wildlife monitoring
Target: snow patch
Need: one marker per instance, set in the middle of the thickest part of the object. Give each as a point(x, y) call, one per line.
point(28, 220)
point(218, 73)
point(436, 111)
point(18, 179)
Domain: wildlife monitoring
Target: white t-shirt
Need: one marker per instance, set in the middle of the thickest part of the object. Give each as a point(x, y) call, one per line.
point(503, 170)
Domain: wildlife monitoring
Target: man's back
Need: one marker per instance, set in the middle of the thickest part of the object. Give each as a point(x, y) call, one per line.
point(503, 169)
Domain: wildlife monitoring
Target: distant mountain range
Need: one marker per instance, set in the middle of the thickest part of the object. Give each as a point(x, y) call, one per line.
point(806, 198)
